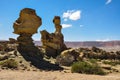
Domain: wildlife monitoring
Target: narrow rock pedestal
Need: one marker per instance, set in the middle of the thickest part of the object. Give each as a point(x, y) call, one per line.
point(27, 46)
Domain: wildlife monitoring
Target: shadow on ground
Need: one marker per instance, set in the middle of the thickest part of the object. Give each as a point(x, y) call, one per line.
point(40, 63)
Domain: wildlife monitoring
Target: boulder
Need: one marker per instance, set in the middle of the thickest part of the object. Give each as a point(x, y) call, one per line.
point(67, 57)
point(12, 40)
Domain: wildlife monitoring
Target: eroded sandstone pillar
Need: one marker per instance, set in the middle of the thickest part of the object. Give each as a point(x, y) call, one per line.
point(25, 26)
point(53, 43)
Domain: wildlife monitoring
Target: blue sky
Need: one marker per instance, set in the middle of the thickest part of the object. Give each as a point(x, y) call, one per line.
point(82, 20)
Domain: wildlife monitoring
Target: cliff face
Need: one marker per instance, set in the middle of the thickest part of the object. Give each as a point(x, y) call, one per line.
point(89, 44)
point(93, 43)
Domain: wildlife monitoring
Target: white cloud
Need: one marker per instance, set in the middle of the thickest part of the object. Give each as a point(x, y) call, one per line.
point(81, 25)
point(72, 15)
point(67, 14)
point(103, 40)
point(66, 25)
point(108, 1)
point(75, 15)
point(65, 19)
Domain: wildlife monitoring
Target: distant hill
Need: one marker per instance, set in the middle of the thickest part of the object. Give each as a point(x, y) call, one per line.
point(88, 44)
point(108, 45)
point(83, 44)
point(93, 43)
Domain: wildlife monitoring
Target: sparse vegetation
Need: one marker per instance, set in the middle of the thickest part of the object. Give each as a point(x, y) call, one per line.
point(112, 63)
point(82, 60)
point(93, 61)
point(9, 63)
point(87, 68)
point(3, 58)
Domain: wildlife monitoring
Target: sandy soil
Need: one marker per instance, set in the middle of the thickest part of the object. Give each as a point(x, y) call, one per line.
point(52, 75)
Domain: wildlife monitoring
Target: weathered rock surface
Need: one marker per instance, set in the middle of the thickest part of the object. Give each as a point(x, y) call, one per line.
point(12, 40)
point(25, 26)
point(26, 44)
point(28, 22)
point(67, 57)
point(53, 43)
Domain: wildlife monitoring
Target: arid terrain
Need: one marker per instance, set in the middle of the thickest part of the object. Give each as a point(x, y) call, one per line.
point(60, 40)
point(25, 71)
point(52, 75)
point(107, 45)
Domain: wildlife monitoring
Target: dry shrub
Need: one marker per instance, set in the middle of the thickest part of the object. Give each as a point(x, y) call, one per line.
point(87, 68)
point(9, 63)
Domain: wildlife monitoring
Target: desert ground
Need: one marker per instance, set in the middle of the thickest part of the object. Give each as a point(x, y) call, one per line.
point(52, 75)
point(27, 72)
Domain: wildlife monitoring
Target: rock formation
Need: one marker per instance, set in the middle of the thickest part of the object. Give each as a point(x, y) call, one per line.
point(25, 26)
point(67, 57)
point(28, 22)
point(53, 43)
point(12, 40)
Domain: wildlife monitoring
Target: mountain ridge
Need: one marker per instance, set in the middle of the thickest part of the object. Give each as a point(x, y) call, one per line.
point(76, 44)
point(87, 43)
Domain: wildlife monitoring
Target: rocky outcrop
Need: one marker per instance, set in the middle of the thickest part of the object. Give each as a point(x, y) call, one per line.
point(25, 26)
point(53, 43)
point(12, 40)
point(67, 57)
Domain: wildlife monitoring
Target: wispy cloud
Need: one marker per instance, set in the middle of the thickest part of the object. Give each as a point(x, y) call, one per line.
point(65, 19)
point(66, 25)
point(81, 25)
point(72, 15)
point(103, 40)
point(108, 2)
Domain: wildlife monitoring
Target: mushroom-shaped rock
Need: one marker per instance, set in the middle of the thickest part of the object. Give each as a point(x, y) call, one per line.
point(25, 26)
point(28, 22)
